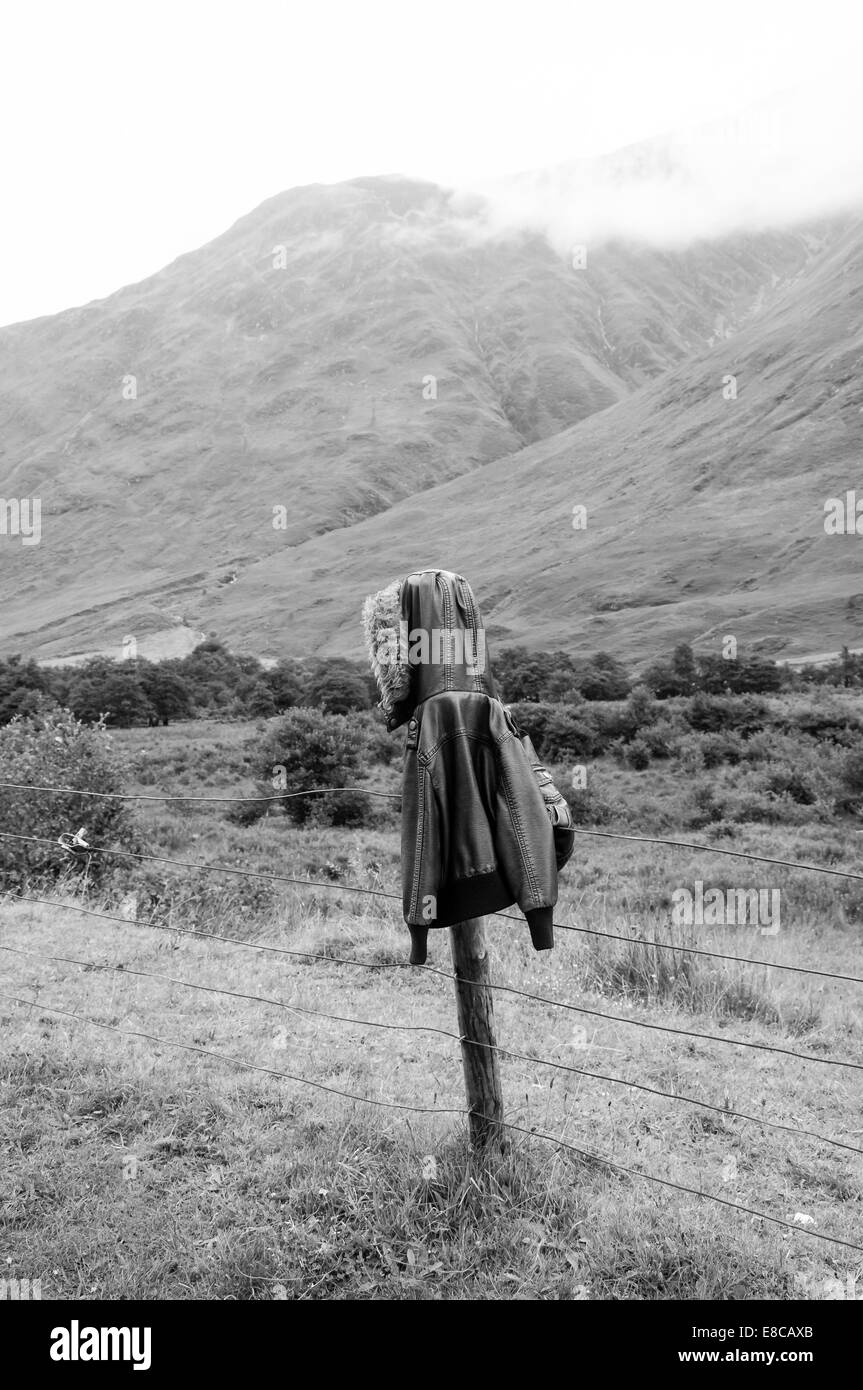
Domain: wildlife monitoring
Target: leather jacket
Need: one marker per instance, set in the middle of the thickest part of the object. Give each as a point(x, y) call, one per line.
point(476, 836)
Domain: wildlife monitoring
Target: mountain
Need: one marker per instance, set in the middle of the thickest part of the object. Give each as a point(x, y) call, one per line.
point(411, 385)
point(705, 514)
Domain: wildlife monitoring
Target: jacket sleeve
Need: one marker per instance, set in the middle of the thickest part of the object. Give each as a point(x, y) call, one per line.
point(524, 840)
point(421, 854)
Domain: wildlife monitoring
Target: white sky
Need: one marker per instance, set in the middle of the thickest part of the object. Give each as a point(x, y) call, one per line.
point(132, 133)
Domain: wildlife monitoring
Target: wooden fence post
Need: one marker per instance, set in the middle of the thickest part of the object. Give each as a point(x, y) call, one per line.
point(474, 1002)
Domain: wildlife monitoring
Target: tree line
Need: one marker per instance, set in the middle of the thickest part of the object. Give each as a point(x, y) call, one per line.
point(212, 682)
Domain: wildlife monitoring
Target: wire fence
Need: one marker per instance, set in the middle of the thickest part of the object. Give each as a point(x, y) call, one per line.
point(79, 848)
point(396, 897)
point(600, 1159)
point(725, 1111)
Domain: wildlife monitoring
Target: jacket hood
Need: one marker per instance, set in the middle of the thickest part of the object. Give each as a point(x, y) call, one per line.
point(425, 635)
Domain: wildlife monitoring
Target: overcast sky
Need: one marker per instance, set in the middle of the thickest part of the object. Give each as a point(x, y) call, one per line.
point(134, 133)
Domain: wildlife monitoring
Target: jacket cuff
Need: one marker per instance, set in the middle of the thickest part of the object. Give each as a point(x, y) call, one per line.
point(541, 923)
point(419, 939)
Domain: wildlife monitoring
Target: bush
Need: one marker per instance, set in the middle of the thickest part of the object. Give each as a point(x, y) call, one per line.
point(54, 749)
point(309, 749)
point(381, 745)
point(614, 719)
point(850, 798)
point(642, 707)
point(831, 721)
point(638, 754)
point(337, 688)
point(590, 805)
point(745, 714)
point(558, 731)
point(661, 739)
point(787, 781)
point(719, 748)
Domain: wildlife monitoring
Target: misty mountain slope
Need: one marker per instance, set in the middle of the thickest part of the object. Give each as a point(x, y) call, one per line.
point(705, 515)
point(308, 387)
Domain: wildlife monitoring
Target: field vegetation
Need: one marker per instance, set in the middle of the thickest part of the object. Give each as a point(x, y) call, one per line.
point(136, 1168)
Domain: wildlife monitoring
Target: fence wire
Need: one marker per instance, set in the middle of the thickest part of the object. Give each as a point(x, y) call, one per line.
point(397, 897)
point(121, 968)
point(435, 1110)
point(537, 998)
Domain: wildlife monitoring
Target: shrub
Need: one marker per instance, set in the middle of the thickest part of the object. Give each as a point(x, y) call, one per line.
point(381, 745)
point(661, 739)
point(705, 807)
point(614, 719)
point(638, 754)
point(590, 805)
point(851, 783)
point(719, 748)
point(642, 707)
point(558, 731)
point(337, 688)
point(787, 781)
point(829, 720)
point(53, 748)
point(316, 750)
point(711, 713)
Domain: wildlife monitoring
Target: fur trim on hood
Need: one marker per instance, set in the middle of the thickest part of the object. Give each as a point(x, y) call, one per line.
point(425, 635)
point(382, 623)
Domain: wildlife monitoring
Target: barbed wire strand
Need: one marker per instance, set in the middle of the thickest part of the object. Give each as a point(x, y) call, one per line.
point(211, 868)
point(123, 969)
point(700, 951)
point(511, 989)
point(455, 1037)
point(396, 897)
point(234, 1061)
point(579, 830)
point(164, 796)
point(719, 849)
point(229, 940)
point(438, 1110)
point(668, 1182)
point(668, 1095)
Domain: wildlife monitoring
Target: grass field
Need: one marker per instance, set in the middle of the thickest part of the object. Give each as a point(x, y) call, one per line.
point(136, 1169)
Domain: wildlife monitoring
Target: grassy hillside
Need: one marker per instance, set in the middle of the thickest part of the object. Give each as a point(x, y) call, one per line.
point(705, 515)
point(305, 385)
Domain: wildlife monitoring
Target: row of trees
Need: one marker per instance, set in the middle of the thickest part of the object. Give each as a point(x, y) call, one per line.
point(556, 677)
point(210, 681)
point(213, 682)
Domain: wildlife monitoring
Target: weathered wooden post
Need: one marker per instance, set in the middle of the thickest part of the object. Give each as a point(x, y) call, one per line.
point(474, 1002)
